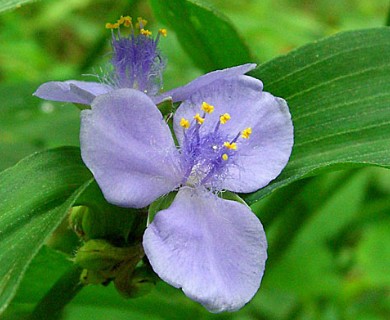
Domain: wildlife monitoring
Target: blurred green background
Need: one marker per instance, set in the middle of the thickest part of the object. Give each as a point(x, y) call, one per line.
point(329, 240)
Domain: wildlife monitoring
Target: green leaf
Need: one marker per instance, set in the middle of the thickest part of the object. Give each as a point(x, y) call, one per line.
point(208, 37)
point(338, 91)
point(164, 302)
point(373, 254)
point(45, 269)
point(35, 194)
point(29, 124)
point(308, 268)
point(12, 4)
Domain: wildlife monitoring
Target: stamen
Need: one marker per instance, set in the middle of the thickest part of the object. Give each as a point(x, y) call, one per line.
point(120, 20)
point(112, 25)
point(198, 118)
point(137, 61)
point(208, 108)
point(224, 118)
point(246, 133)
point(184, 123)
point(163, 32)
point(145, 32)
point(127, 21)
point(225, 157)
point(141, 23)
point(230, 146)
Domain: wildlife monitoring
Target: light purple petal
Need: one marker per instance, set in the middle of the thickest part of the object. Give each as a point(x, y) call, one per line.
point(129, 148)
point(214, 249)
point(260, 158)
point(184, 92)
point(72, 91)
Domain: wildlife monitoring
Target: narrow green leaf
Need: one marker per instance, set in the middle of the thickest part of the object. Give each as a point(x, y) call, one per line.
point(59, 295)
point(47, 267)
point(338, 91)
point(208, 37)
point(12, 4)
point(35, 196)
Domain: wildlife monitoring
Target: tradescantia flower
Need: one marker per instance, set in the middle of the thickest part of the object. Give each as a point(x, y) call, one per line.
point(138, 64)
point(232, 136)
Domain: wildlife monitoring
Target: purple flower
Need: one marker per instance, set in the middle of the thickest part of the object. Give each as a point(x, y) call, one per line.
point(137, 64)
point(232, 136)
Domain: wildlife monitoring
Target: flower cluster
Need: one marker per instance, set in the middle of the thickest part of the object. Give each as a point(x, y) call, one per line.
point(231, 136)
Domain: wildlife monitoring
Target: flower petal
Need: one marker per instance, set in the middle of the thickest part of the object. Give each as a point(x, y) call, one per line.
point(260, 158)
point(184, 92)
point(214, 249)
point(129, 148)
point(71, 91)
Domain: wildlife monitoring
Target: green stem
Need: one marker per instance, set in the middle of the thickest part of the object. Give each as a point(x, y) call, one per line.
point(63, 291)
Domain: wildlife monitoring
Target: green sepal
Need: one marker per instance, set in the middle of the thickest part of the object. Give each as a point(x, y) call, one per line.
point(82, 107)
point(100, 255)
point(136, 283)
point(92, 277)
point(95, 218)
point(160, 204)
point(166, 107)
point(228, 195)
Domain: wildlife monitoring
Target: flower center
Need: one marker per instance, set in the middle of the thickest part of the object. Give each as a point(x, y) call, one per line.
point(136, 59)
point(206, 154)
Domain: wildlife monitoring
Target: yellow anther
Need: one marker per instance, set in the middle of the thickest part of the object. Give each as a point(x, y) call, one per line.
point(163, 32)
point(112, 25)
point(145, 32)
point(198, 118)
point(224, 118)
point(141, 23)
point(246, 133)
point(208, 108)
point(121, 20)
point(231, 146)
point(127, 21)
point(225, 157)
point(184, 123)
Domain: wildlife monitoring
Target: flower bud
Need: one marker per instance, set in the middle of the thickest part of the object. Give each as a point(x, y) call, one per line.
point(92, 277)
point(76, 219)
point(100, 255)
point(107, 222)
